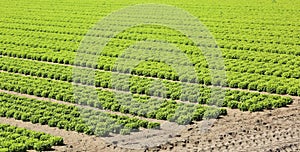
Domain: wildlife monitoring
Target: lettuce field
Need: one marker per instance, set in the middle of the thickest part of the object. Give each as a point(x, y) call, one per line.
point(145, 75)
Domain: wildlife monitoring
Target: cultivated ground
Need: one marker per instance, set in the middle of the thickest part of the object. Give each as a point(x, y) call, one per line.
point(42, 43)
point(272, 130)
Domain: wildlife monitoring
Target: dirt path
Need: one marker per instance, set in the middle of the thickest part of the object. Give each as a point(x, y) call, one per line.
point(271, 130)
point(275, 130)
point(136, 140)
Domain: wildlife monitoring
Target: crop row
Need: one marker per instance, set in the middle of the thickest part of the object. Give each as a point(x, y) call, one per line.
point(252, 80)
point(15, 139)
point(208, 13)
point(58, 20)
point(70, 45)
point(68, 117)
point(214, 25)
point(284, 71)
point(73, 38)
point(242, 43)
point(147, 70)
point(14, 50)
point(230, 43)
point(175, 90)
point(263, 57)
point(235, 26)
point(106, 63)
point(112, 100)
point(114, 51)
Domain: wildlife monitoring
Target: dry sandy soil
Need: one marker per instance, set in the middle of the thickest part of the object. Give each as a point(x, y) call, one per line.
point(275, 130)
point(272, 130)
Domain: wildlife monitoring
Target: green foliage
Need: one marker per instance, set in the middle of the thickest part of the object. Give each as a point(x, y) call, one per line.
point(292, 91)
point(281, 90)
point(255, 107)
point(20, 139)
point(153, 125)
point(243, 85)
point(271, 88)
point(211, 113)
point(42, 146)
point(243, 106)
point(125, 131)
point(252, 86)
point(256, 58)
point(233, 104)
point(233, 84)
point(63, 116)
point(17, 147)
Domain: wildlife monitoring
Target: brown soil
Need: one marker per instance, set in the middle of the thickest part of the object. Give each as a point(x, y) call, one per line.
point(271, 130)
point(136, 140)
point(74, 141)
point(275, 130)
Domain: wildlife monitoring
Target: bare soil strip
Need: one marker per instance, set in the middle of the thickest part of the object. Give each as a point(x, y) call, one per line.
point(136, 140)
point(270, 130)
